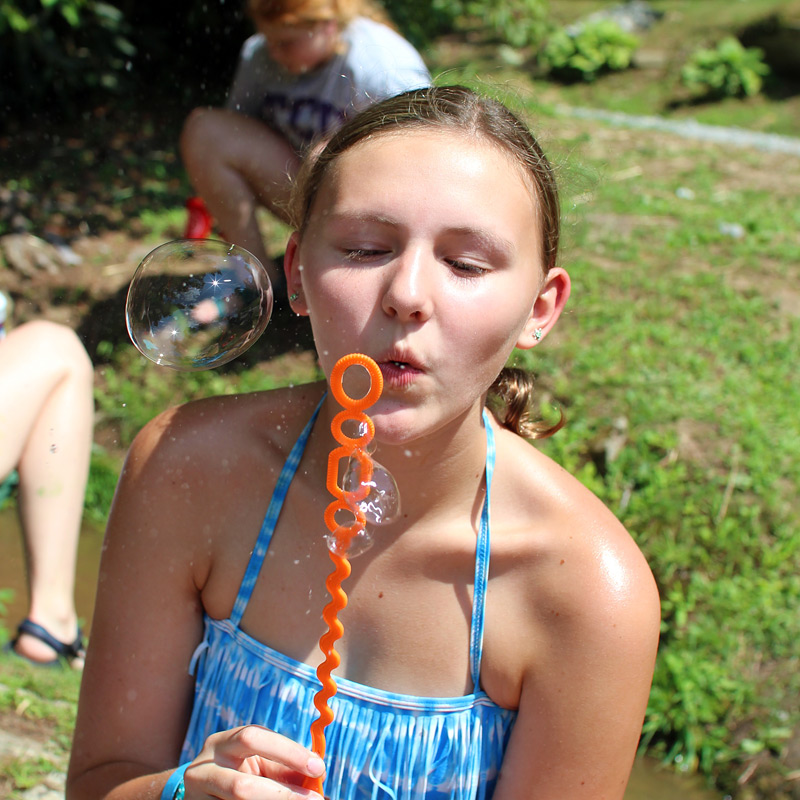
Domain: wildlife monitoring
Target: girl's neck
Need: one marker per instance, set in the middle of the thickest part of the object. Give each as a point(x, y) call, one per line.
point(438, 474)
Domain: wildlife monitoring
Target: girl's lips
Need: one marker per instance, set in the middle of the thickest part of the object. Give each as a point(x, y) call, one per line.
point(399, 374)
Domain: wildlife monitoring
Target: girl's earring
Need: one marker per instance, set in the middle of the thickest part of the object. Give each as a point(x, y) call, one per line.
point(293, 296)
point(537, 334)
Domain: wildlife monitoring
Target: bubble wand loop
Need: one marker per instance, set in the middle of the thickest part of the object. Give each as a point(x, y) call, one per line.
point(343, 535)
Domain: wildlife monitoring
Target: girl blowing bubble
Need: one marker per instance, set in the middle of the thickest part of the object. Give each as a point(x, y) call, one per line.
point(426, 237)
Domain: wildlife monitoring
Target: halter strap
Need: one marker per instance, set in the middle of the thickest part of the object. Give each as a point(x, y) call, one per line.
point(482, 554)
point(271, 518)
point(482, 550)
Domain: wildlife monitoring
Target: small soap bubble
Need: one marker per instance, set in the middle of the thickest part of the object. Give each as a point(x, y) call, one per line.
point(344, 542)
point(382, 503)
point(195, 304)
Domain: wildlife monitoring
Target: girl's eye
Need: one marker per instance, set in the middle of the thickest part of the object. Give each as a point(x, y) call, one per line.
point(467, 269)
point(362, 253)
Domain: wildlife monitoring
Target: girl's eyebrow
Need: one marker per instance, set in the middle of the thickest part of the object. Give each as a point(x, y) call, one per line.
point(360, 217)
point(484, 238)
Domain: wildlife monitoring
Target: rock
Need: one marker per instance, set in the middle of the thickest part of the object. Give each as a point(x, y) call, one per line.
point(632, 17)
point(28, 254)
point(25, 748)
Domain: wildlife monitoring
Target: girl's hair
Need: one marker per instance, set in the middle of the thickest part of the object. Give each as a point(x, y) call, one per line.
point(459, 109)
point(292, 12)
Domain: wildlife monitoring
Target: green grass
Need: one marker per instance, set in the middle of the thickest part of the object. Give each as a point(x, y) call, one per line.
point(678, 328)
point(44, 700)
point(653, 87)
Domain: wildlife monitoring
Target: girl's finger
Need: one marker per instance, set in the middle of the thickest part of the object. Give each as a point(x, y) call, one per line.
point(209, 780)
point(233, 747)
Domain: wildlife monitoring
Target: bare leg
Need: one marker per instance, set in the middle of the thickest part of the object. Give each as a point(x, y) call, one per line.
point(236, 164)
point(46, 418)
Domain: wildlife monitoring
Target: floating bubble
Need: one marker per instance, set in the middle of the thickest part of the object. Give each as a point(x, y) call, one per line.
point(195, 304)
point(382, 503)
point(349, 540)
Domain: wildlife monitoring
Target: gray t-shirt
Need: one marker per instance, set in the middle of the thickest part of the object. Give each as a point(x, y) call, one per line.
point(375, 62)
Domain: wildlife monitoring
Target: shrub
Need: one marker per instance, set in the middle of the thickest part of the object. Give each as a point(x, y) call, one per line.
point(519, 23)
point(729, 70)
point(595, 48)
point(56, 50)
point(421, 21)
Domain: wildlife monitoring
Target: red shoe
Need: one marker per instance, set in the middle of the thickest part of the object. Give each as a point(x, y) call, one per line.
point(198, 225)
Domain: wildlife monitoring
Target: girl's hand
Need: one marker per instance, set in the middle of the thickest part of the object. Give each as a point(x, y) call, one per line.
point(249, 762)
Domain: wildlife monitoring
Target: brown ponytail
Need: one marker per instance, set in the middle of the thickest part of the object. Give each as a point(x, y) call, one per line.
point(510, 400)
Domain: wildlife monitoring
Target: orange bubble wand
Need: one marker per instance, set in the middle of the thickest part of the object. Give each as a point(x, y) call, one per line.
point(342, 535)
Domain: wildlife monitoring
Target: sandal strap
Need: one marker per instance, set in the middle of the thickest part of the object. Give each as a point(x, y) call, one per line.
point(66, 650)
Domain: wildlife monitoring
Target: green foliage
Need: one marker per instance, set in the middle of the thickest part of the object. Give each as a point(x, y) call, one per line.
point(702, 369)
point(728, 70)
point(422, 21)
point(54, 50)
point(595, 48)
point(26, 774)
point(6, 596)
point(519, 23)
point(103, 476)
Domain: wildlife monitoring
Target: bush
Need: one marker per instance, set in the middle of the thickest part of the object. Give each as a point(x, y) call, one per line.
point(519, 23)
point(595, 48)
point(421, 21)
point(56, 50)
point(729, 70)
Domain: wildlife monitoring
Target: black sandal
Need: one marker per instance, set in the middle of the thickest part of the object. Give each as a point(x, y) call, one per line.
point(66, 652)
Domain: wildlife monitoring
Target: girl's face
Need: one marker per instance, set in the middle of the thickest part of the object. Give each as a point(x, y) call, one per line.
point(423, 252)
point(302, 47)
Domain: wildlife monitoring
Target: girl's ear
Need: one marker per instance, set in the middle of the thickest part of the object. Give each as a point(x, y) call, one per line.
point(546, 309)
point(293, 271)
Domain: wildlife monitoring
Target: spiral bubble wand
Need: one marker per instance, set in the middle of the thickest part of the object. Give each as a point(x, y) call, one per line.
point(342, 537)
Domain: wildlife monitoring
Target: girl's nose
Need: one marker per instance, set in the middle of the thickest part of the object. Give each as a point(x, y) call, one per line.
point(407, 294)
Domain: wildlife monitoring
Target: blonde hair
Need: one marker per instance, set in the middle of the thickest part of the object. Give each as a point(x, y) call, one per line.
point(294, 12)
point(459, 109)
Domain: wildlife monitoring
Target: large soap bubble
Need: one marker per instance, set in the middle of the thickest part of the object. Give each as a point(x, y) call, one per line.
point(194, 304)
point(381, 506)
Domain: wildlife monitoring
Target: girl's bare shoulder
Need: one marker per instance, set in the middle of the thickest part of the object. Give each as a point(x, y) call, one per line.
point(566, 543)
point(217, 434)
point(568, 582)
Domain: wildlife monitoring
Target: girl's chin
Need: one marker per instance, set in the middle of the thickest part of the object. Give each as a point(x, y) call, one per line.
point(396, 426)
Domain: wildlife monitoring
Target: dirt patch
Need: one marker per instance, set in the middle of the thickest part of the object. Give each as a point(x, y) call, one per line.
point(24, 731)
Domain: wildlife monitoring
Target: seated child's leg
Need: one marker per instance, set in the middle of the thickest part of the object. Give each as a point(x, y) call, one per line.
point(237, 163)
point(47, 411)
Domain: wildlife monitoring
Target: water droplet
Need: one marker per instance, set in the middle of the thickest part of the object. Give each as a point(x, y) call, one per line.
point(194, 304)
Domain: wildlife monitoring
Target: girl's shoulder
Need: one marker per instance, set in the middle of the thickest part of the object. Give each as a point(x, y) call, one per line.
point(208, 434)
point(560, 533)
point(568, 579)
